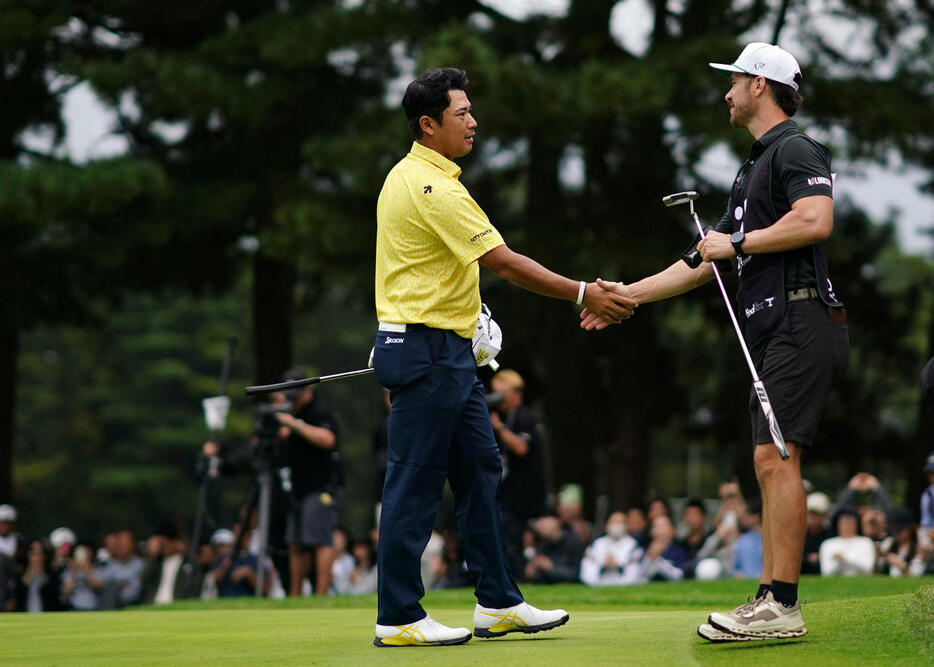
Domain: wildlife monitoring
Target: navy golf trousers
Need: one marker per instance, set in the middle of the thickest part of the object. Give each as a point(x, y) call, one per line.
point(439, 428)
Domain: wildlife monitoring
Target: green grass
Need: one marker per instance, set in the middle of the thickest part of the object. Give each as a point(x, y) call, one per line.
point(859, 620)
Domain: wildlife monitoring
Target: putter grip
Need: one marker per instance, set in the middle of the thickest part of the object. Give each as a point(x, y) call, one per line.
point(280, 386)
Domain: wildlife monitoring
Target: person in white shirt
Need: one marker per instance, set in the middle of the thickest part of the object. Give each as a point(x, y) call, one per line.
point(849, 553)
point(614, 559)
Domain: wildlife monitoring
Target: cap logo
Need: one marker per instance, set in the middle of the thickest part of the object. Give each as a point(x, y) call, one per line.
point(759, 66)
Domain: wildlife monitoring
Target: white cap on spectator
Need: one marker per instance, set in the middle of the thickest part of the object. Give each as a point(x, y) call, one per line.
point(7, 513)
point(222, 536)
point(61, 536)
point(818, 503)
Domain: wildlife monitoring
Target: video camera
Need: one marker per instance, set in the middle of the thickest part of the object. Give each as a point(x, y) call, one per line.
point(265, 424)
point(494, 400)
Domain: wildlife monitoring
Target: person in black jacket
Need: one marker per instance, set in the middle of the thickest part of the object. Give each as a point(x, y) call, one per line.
point(519, 437)
point(40, 584)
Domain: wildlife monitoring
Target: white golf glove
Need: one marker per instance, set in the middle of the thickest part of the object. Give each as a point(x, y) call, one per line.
point(487, 339)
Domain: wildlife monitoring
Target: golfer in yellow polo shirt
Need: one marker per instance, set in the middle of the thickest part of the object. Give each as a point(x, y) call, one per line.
point(430, 237)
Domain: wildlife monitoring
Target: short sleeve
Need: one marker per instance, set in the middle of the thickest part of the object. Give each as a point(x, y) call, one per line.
point(462, 225)
point(725, 226)
point(804, 168)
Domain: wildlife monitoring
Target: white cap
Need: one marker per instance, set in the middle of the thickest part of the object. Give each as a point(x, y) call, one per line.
point(61, 536)
point(768, 60)
point(222, 536)
point(818, 503)
point(7, 513)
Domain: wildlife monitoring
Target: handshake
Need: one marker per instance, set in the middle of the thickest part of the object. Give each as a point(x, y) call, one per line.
point(605, 303)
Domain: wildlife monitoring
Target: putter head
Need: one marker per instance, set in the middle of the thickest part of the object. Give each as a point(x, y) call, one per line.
point(679, 198)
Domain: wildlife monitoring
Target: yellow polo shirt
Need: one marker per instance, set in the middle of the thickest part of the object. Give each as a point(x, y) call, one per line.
point(429, 234)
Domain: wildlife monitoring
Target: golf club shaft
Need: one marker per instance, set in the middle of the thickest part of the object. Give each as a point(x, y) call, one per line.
point(761, 394)
point(304, 382)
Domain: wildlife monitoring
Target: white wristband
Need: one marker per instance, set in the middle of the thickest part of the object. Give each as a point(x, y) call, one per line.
point(580, 292)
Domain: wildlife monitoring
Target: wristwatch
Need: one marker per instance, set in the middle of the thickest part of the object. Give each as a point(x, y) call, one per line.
point(737, 238)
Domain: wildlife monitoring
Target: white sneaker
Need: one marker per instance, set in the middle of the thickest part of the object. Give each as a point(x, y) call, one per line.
point(426, 632)
point(522, 617)
point(766, 620)
point(712, 634)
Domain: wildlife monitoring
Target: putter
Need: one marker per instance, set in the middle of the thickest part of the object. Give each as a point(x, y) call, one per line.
point(688, 198)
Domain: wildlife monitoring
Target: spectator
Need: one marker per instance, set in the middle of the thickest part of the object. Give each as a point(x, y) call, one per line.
point(557, 553)
point(363, 576)
point(731, 502)
point(570, 511)
point(716, 557)
point(166, 569)
point(612, 560)
point(235, 568)
point(10, 541)
point(8, 583)
point(121, 578)
point(863, 492)
point(694, 518)
point(432, 560)
point(309, 431)
point(748, 555)
point(81, 581)
point(343, 562)
point(454, 571)
point(901, 553)
point(849, 553)
point(818, 530)
point(63, 540)
point(664, 559)
point(637, 525)
point(41, 583)
point(927, 498)
point(657, 507)
point(519, 437)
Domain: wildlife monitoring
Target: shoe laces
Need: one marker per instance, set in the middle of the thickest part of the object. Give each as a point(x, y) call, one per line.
point(751, 603)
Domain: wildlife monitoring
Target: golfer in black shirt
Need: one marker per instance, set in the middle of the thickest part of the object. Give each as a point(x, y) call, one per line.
point(778, 218)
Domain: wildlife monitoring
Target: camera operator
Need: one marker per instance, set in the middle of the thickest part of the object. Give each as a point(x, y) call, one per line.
point(309, 433)
point(519, 436)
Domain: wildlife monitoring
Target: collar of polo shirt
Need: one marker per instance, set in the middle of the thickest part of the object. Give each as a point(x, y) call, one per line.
point(445, 165)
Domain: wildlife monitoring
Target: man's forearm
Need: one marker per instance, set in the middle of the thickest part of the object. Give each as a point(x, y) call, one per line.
point(529, 274)
point(676, 279)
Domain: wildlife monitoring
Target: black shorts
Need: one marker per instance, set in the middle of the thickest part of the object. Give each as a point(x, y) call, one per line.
point(798, 364)
point(313, 525)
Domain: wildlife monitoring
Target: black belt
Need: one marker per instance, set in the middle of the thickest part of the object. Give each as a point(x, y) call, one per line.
point(802, 294)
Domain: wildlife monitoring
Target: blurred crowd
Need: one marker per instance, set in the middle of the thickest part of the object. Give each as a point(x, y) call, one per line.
point(305, 550)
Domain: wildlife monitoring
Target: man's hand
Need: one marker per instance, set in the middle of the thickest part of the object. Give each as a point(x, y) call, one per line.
point(496, 421)
point(590, 319)
point(716, 245)
point(612, 306)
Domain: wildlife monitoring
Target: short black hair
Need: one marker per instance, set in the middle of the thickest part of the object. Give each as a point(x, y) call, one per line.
point(429, 95)
point(787, 98)
point(698, 503)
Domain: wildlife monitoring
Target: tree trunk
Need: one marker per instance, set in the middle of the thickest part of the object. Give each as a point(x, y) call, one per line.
point(9, 352)
point(273, 283)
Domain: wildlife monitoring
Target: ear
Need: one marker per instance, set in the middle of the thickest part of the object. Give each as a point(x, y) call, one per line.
point(759, 86)
point(427, 123)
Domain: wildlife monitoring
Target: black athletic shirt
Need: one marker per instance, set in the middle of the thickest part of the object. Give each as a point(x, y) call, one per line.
point(523, 490)
point(800, 168)
point(313, 468)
